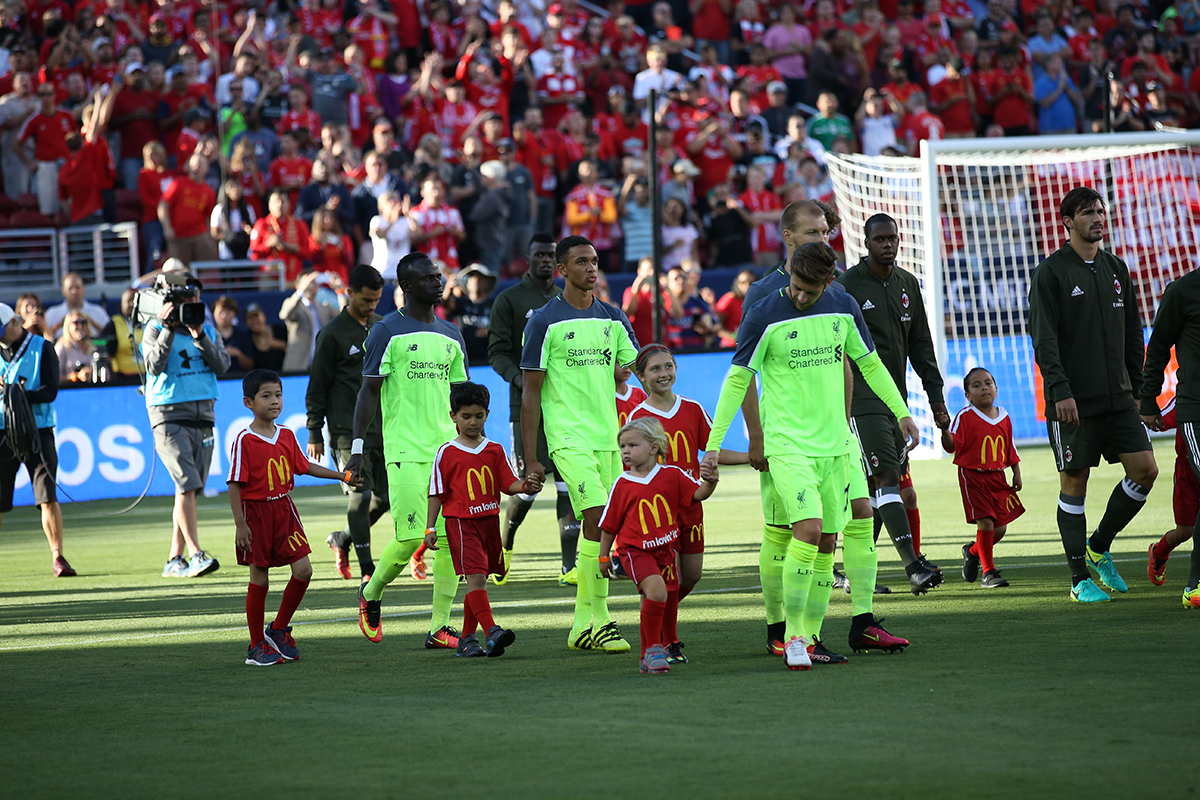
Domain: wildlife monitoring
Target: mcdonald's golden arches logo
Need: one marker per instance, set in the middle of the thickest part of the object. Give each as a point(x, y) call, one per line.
point(281, 469)
point(1012, 502)
point(486, 480)
point(645, 504)
point(679, 452)
point(297, 539)
point(999, 449)
point(696, 533)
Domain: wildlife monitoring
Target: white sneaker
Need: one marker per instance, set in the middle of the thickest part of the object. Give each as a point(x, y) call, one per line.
point(795, 654)
point(177, 567)
point(202, 564)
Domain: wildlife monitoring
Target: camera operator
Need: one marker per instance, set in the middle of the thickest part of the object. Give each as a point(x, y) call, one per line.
point(183, 363)
point(31, 361)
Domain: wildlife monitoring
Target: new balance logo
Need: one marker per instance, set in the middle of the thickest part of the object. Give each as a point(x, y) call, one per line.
point(867, 306)
point(569, 335)
point(1077, 292)
point(791, 334)
point(412, 348)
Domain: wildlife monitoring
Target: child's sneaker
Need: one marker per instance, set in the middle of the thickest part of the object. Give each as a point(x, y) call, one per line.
point(202, 564)
point(468, 647)
point(61, 568)
point(444, 638)
point(282, 642)
point(992, 580)
point(675, 653)
point(795, 654)
point(654, 662)
point(497, 639)
point(1156, 568)
point(263, 655)
point(177, 567)
point(970, 569)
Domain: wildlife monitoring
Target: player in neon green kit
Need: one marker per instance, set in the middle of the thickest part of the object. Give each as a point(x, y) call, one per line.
point(412, 359)
point(796, 341)
point(571, 344)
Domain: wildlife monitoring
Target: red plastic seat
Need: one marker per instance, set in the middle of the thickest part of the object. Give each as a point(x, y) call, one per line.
point(30, 219)
point(28, 200)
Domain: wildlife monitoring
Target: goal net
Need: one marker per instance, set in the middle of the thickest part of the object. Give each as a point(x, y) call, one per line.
point(976, 216)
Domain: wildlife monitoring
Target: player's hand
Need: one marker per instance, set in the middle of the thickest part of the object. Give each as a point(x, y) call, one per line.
point(533, 469)
point(242, 537)
point(1153, 421)
point(606, 568)
point(941, 417)
point(757, 459)
point(431, 539)
point(911, 433)
point(532, 485)
point(316, 451)
point(1066, 411)
point(709, 472)
point(353, 468)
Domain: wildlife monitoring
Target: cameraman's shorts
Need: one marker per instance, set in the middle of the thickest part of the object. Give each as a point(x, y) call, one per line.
point(42, 472)
point(187, 453)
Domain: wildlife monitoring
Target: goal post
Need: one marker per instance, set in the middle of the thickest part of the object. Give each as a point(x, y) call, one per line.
point(976, 216)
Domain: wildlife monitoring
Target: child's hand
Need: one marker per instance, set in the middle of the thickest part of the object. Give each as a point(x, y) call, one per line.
point(709, 472)
point(606, 566)
point(242, 537)
point(1017, 484)
point(532, 485)
point(431, 538)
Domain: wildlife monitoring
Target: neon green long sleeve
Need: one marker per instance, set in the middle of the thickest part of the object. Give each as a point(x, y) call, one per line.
point(733, 392)
point(881, 383)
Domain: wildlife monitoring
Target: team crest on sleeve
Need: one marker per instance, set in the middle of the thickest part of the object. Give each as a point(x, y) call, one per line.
point(904, 299)
point(1117, 285)
point(874, 461)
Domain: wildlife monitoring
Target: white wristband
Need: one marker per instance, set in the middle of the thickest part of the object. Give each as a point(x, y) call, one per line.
point(356, 447)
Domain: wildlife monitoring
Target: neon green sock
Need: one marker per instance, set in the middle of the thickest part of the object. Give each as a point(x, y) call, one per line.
point(392, 561)
point(445, 584)
point(861, 561)
point(797, 582)
point(818, 595)
point(770, 570)
point(597, 585)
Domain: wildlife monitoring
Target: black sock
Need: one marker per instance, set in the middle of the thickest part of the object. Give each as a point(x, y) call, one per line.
point(776, 631)
point(358, 520)
point(379, 506)
point(1124, 503)
point(878, 522)
point(518, 507)
point(890, 509)
point(1072, 527)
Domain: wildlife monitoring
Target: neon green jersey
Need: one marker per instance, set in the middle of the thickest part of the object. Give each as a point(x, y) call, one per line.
point(579, 350)
point(418, 363)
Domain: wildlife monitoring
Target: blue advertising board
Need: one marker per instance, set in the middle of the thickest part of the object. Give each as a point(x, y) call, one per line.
point(106, 447)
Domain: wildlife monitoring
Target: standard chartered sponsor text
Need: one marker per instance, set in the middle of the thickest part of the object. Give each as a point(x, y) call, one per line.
point(588, 356)
point(427, 370)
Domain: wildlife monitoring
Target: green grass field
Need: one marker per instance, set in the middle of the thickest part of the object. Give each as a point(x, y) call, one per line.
point(120, 683)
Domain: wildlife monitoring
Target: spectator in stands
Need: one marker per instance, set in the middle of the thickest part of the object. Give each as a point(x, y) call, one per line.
point(332, 251)
point(1011, 93)
point(152, 181)
point(637, 220)
point(787, 45)
point(591, 211)
point(332, 86)
point(920, 124)
point(655, 76)
point(33, 362)
point(135, 117)
point(1093, 78)
point(48, 131)
point(680, 239)
point(797, 133)
point(15, 108)
point(291, 170)
point(326, 191)
point(262, 142)
point(383, 141)
point(765, 207)
point(1045, 44)
point(522, 204)
point(173, 110)
point(300, 120)
point(74, 348)
point(638, 302)
point(376, 181)
point(1057, 99)
point(1122, 40)
point(691, 323)
point(123, 339)
point(877, 120)
point(729, 227)
point(304, 317)
point(490, 214)
point(468, 300)
point(391, 233)
point(75, 302)
point(235, 339)
point(243, 72)
point(279, 236)
point(953, 100)
point(231, 222)
point(829, 124)
point(267, 348)
point(437, 227)
point(728, 309)
point(184, 212)
point(33, 316)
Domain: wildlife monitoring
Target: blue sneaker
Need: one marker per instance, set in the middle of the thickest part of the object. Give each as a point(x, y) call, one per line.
point(281, 642)
point(1107, 570)
point(1087, 592)
point(177, 567)
point(263, 655)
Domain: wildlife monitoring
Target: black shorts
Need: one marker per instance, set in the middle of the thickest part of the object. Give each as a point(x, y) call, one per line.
point(42, 472)
point(518, 449)
point(881, 442)
point(1109, 435)
point(373, 471)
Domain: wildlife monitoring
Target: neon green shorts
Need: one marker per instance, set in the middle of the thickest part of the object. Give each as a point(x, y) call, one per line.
point(774, 513)
point(589, 475)
point(408, 488)
point(813, 488)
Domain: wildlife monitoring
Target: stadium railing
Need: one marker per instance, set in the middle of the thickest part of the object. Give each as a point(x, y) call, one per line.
point(101, 254)
point(234, 276)
point(28, 260)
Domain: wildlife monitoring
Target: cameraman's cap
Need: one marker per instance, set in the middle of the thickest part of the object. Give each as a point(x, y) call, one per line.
point(174, 265)
point(6, 314)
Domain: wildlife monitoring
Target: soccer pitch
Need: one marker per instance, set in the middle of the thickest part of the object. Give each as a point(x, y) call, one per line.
point(120, 683)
